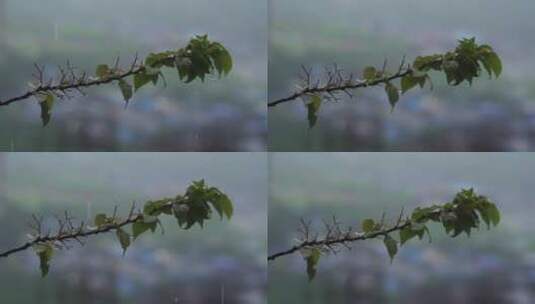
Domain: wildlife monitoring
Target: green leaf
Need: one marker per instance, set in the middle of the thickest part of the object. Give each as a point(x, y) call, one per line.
point(150, 71)
point(100, 219)
point(193, 208)
point(103, 71)
point(124, 239)
point(312, 258)
point(490, 216)
point(200, 67)
point(155, 208)
point(46, 101)
point(492, 62)
point(44, 252)
point(141, 79)
point(198, 203)
point(406, 234)
point(494, 214)
point(222, 205)
point(150, 219)
point(393, 94)
point(422, 79)
point(391, 246)
point(183, 66)
point(426, 63)
point(158, 60)
point(485, 216)
point(140, 227)
point(145, 76)
point(368, 225)
point(126, 89)
point(313, 107)
point(408, 82)
point(369, 73)
point(222, 60)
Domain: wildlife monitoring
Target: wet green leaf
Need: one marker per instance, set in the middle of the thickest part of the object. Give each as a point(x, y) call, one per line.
point(312, 258)
point(221, 203)
point(158, 60)
point(406, 234)
point(46, 101)
point(155, 208)
point(369, 73)
point(45, 253)
point(103, 71)
point(313, 107)
point(494, 214)
point(492, 62)
point(126, 90)
point(368, 225)
point(408, 82)
point(392, 93)
point(222, 59)
point(391, 246)
point(143, 77)
point(124, 239)
point(100, 219)
point(140, 227)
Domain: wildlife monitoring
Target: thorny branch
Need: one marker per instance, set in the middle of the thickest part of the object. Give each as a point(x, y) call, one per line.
point(464, 63)
point(464, 213)
point(67, 231)
point(195, 206)
point(199, 58)
point(336, 82)
point(70, 79)
point(336, 236)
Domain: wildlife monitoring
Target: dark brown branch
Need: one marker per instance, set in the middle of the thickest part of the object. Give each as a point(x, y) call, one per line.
point(465, 212)
point(67, 231)
point(344, 239)
point(71, 236)
point(339, 87)
point(76, 82)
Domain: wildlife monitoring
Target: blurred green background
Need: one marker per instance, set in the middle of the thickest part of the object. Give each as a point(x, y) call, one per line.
point(218, 115)
point(496, 266)
point(223, 263)
point(492, 115)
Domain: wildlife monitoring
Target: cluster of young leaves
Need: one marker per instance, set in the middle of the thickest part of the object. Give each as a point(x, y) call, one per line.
point(463, 214)
point(199, 58)
point(195, 206)
point(464, 63)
